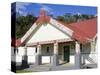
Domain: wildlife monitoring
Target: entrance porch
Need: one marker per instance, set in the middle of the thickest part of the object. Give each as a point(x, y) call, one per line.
point(60, 52)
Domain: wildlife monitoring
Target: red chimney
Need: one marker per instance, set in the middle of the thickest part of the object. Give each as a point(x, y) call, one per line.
point(42, 12)
point(43, 18)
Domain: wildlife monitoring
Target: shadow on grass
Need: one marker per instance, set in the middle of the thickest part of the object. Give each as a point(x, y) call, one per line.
point(15, 67)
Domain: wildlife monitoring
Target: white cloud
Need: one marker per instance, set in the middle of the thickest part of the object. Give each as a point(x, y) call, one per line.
point(21, 8)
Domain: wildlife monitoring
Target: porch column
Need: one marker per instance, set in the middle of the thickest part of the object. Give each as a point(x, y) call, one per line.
point(25, 59)
point(55, 61)
point(77, 55)
point(38, 55)
point(93, 52)
point(92, 46)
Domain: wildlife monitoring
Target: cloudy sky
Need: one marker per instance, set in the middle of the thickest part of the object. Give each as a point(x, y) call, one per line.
point(54, 9)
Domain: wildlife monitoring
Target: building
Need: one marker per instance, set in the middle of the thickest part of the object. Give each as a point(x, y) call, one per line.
point(61, 43)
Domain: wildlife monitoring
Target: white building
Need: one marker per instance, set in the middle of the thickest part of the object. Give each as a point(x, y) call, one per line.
point(53, 42)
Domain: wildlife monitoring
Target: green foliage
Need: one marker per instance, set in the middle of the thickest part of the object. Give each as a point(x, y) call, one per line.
point(23, 23)
point(70, 18)
point(23, 71)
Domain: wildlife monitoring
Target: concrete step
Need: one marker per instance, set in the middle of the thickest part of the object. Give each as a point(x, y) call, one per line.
point(90, 66)
point(39, 68)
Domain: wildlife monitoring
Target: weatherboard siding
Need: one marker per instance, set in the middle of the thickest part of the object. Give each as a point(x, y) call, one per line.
point(46, 33)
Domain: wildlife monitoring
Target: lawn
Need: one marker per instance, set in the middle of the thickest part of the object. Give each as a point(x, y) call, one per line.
point(23, 71)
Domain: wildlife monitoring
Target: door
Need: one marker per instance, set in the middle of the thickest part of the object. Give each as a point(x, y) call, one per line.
point(66, 53)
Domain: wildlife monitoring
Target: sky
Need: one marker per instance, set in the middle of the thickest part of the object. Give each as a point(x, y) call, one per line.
point(53, 9)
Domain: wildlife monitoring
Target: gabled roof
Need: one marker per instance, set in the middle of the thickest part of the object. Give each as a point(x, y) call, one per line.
point(83, 31)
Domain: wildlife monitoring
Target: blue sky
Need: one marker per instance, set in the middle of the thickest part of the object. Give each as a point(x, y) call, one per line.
point(54, 9)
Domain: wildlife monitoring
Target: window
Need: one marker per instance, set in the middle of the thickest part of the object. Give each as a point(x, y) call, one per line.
point(36, 50)
point(81, 46)
point(15, 50)
point(47, 49)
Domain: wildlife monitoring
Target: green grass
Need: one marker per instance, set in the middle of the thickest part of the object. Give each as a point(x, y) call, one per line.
point(23, 71)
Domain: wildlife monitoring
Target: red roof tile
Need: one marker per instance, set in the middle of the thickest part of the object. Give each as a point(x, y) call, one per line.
point(84, 30)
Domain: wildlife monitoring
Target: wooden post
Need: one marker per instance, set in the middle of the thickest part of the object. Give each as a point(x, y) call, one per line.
point(25, 59)
point(77, 55)
point(55, 60)
point(38, 55)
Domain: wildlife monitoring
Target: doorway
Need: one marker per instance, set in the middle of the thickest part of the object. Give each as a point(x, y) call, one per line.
point(66, 50)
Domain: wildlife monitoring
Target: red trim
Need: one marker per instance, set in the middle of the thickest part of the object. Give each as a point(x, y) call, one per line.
point(43, 19)
point(15, 43)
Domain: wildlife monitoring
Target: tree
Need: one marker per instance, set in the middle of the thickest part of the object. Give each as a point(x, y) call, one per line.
point(70, 18)
point(23, 23)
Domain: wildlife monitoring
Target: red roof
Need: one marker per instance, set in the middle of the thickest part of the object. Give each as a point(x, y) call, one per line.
point(84, 30)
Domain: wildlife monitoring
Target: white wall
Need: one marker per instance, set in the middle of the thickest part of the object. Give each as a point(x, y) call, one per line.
point(21, 52)
point(86, 50)
point(44, 49)
point(31, 55)
point(47, 32)
point(46, 56)
point(46, 59)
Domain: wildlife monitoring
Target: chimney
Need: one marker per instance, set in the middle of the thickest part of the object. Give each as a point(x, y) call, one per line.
point(43, 18)
point(42, 12)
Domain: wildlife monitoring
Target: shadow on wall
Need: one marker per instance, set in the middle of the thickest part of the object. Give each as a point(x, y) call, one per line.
point(86, 52)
